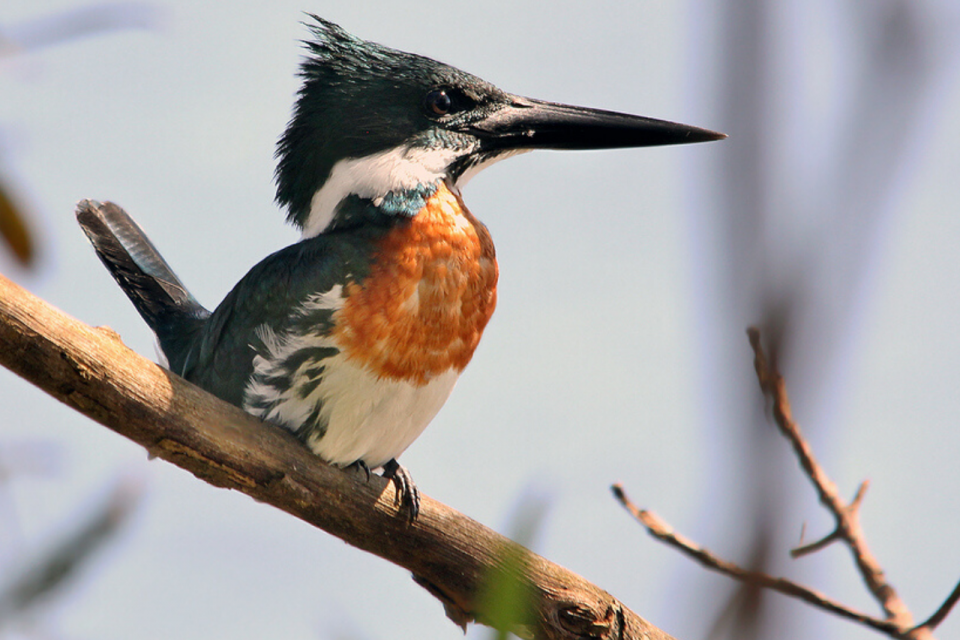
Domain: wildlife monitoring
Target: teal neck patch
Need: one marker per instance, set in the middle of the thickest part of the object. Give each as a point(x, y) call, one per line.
point(354, 211)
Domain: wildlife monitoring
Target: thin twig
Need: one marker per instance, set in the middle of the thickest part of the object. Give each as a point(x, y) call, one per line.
point(822, 543)
point(659, 529)
point(940, 614)
point(899, 621)
point(846, 516)
point(834, 535)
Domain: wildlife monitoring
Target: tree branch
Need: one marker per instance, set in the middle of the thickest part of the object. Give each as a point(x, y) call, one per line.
point(659, 529)
point(847, 516)
point(941, 613)
point(451, 555)
point(898, 622)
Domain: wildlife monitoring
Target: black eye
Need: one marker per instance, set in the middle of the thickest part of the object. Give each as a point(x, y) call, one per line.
point(438, 102)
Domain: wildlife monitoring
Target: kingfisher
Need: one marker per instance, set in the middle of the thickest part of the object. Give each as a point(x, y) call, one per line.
point(353, 337)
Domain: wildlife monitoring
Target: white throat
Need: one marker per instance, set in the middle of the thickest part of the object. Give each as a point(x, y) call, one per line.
point(375, 176)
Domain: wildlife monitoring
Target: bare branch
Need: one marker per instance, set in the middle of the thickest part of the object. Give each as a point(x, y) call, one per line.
point(836, 534)
point(846, 516)
point(662, 531)
point(822, 543)
point(941, 613)
point(91, 371)
point(899, 621)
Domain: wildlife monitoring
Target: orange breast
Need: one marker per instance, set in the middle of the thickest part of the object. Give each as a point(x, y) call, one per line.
point(429, 295)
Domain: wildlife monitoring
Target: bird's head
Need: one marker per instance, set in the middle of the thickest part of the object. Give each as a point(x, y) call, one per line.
point(388, 126)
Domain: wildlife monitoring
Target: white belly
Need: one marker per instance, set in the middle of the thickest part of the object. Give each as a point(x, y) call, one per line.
point(373, 419)
point(352, 414)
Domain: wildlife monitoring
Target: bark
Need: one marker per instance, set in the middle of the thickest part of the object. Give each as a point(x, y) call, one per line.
point(448, 553)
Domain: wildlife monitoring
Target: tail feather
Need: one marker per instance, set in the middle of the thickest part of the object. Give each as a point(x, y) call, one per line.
point(155, 290)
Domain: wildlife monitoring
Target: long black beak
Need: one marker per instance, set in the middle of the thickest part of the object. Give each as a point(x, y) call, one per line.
point(525, 123)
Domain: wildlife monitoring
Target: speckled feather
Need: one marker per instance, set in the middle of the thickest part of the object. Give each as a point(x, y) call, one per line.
point(387, 316)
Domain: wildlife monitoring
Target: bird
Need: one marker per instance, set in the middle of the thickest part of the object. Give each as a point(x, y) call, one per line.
point(353, 337)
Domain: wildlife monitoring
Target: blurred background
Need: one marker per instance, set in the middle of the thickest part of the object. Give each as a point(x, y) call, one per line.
point(617, 352)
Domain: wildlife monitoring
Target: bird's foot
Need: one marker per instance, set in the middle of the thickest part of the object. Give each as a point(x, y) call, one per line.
point(407, 496)
point(362, 467)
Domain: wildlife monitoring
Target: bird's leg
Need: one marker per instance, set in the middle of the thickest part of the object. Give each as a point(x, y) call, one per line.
point(360, 465)
point(407, 495)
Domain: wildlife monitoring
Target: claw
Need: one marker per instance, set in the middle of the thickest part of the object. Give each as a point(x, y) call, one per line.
point(360, 465)
point(407, 496)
